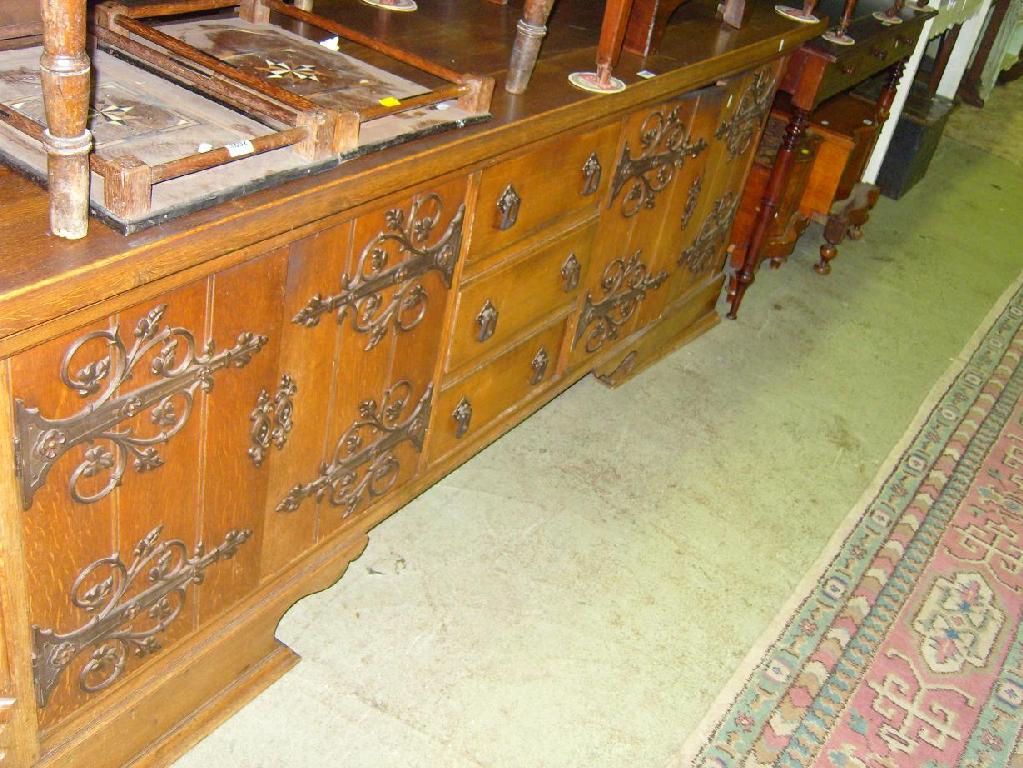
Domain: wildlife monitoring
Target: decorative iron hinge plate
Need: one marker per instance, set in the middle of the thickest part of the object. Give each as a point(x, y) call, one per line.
point(624, 285)
point(272, 419)
point(739, 130)
point(364, 465)
point(120, 626)
point(664, 147)
point(713, 235)
point(179, 370)
point(396, 258)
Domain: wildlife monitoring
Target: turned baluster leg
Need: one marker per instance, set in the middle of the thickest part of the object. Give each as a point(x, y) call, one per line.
point(612, 35)
point(780, 171)
point(65, 76)
point(532, 28)
point(840, 34)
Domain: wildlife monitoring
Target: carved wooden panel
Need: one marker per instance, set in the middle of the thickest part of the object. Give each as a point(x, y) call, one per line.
point(656, 153)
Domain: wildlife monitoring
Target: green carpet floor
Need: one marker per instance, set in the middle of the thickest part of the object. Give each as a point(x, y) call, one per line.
point(576, 595)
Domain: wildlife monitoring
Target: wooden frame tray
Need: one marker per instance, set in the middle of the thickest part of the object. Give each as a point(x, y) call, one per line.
point(173, 135)
point(251, 61)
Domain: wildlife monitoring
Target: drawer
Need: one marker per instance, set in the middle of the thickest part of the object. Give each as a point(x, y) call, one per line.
point(494, 308)
point(565, 176)
point(466, 408)
point(854, 64)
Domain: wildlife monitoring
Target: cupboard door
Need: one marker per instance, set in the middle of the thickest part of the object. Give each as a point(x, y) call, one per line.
point(700, 244)
point(389, 306)
point(128, 533)
point(656, 149)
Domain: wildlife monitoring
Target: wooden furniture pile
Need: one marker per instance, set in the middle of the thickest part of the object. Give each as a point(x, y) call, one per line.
point(778, 203)
point(203, 420)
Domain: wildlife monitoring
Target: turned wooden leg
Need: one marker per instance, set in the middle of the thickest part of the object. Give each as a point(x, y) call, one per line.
point(65, 74)
point(532, 28)
point(612, 35)
point(828, 252)
point(780, 171)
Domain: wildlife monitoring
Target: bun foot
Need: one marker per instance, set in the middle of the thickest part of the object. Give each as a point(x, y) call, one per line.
point(828, 252)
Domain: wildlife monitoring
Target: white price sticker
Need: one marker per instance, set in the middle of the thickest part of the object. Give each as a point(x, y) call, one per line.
point(240, 148)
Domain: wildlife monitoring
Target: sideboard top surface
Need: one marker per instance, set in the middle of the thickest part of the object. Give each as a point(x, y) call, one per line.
point(46, 281)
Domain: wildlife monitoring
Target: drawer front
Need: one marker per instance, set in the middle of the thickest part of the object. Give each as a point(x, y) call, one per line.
point(858, 62)
point(494, 309)
point(466, 408)
point(565, 176)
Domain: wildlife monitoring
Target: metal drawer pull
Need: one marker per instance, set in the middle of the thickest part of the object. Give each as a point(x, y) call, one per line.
point(463, 417)
point(486, 321)
point(879, 53)
point(508, 208)
point(570, 272)
point(591, 175)
point(539, 365)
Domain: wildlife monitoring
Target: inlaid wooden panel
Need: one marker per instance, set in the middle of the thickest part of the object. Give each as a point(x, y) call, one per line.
point(496, 307)
point(564, 176)
point(464, 408)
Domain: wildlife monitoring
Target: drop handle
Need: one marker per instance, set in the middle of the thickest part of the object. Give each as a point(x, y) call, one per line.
point(571, 271)
point(848, 69)
point(486, 322)
point(879, 53)
point(463, 417)
point(508, 205)
point(541, 360)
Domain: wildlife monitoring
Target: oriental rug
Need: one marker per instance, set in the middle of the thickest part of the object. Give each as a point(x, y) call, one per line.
point(902, 648)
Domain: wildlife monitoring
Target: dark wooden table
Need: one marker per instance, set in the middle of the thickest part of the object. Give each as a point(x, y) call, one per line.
point(816, 72)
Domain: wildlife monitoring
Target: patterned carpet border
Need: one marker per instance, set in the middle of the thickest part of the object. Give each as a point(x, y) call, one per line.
point(800, 697)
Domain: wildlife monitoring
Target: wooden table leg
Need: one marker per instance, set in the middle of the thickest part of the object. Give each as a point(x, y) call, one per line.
point(848, 216)
point(612, 35)
point(532, 28)
point(948, 42)
point(66, 79)
point(779, 177)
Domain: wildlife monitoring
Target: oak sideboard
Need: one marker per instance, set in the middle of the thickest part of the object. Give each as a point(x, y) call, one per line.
point(203, 420)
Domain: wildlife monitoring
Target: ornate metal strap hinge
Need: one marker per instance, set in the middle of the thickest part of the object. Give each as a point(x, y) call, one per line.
point(121, 626)
point(739, 130)
point(178, 370)
point(508, 208)
point(272, 419)
point(716, 228)
point(624, 285)
point(592, 171)
point(397, 257)
point(664, 147)
point(364, 465)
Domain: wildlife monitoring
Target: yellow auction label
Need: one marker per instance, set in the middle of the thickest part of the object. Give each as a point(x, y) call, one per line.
point(390, 101)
